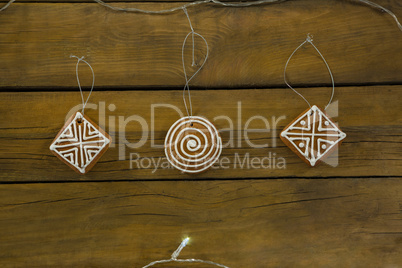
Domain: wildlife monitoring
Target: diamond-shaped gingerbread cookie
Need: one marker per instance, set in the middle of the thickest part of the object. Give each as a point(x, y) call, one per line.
point(312, 136)
point(80, 143)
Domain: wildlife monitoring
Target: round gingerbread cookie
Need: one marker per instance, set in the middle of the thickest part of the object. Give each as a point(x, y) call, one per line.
point(193, 144)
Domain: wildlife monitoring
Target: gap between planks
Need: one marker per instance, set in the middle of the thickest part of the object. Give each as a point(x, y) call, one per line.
point(195, 88)
point(204, 179)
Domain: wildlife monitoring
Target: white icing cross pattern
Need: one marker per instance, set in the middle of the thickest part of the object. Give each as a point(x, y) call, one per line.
point(80, 143)
point(313, 135)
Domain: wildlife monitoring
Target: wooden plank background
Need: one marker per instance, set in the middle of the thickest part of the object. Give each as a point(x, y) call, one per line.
point(372, 147)
point(268, 223)
point(248, 46)
point(115, 216)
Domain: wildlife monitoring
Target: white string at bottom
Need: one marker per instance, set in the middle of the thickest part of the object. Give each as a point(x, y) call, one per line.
point(175, 255)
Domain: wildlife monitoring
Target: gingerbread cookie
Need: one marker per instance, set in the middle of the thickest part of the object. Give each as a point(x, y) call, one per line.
point(80, 143)
point(312, 136)
point(193, 144)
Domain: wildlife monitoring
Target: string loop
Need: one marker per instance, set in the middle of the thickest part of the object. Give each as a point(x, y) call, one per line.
point(84, 103)
point(189, 108)
point(309, 40)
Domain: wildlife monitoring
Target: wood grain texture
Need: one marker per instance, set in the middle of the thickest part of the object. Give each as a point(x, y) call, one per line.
point(108, 1)
point(271, 223)
point(370, 116)
point(293, 217)
point(248, 46)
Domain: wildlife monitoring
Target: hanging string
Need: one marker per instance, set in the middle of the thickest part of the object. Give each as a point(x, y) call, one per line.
point(189, 108)
point(192, 31)
point(84, 103)
point(133, 9)
point(309, 40)
point(241, 4)
point(7, 5)
point(175, 255)
point(383, 9)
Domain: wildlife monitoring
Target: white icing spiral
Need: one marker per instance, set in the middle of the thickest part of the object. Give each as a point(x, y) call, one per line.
point(193, 145)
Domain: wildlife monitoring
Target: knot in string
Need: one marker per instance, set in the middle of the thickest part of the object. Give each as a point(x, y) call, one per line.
point(309, 38)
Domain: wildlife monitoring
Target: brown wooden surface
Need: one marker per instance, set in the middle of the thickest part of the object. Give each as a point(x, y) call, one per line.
point(248, 46)
point(372, 147)
point(110, 1)
point(268, 223)
point(344, 216)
